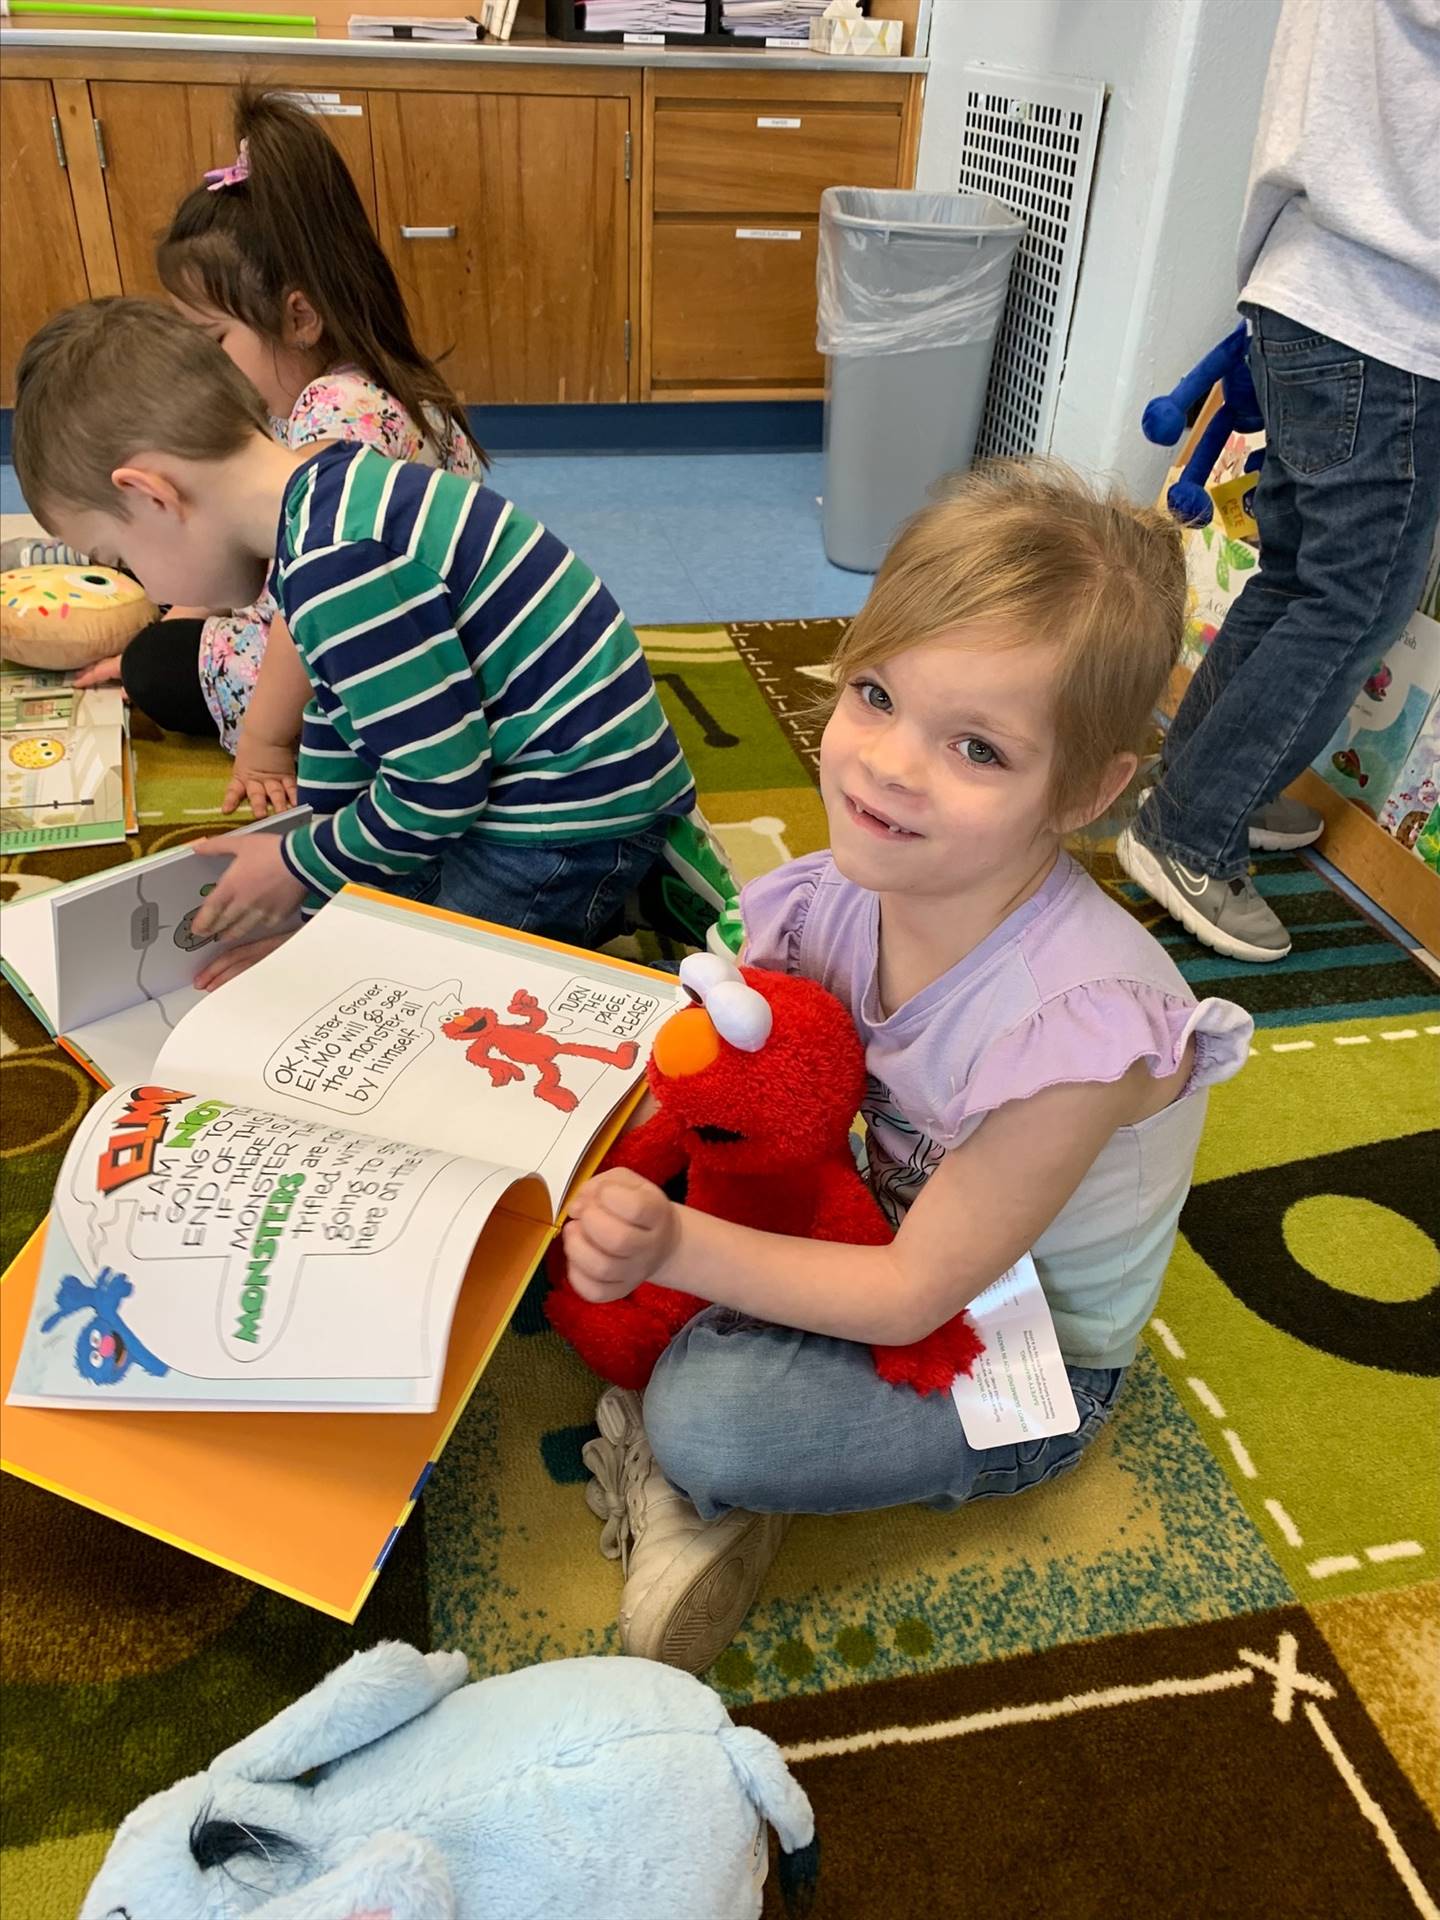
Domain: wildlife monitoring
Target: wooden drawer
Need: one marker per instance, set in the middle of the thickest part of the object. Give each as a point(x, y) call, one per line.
point(768, 158)
point(733, 304)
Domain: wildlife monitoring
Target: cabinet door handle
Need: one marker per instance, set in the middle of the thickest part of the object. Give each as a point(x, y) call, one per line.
point(427, 233)
point(59, 139)
point(100, 153)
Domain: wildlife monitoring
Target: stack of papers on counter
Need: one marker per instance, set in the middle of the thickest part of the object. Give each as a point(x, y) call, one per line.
point(771, 19)
point(642, 18)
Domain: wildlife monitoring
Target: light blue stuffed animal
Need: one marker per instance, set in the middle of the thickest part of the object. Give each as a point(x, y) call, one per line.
point(578, 1790)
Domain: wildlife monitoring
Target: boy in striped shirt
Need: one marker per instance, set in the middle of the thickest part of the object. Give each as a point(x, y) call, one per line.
point(480, 728)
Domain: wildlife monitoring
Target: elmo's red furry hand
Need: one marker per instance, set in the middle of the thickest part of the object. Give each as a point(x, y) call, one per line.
point(760, 1130)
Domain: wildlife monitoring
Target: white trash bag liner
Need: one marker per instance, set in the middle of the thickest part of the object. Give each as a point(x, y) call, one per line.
point(903, 272)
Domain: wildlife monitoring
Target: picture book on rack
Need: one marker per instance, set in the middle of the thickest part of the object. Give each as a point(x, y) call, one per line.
point(278, 1213)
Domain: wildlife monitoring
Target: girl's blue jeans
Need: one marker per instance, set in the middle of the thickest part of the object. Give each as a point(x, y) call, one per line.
point(743, 1414)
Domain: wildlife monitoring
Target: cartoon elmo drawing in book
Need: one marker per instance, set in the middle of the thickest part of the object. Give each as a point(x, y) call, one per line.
point(506, 1051)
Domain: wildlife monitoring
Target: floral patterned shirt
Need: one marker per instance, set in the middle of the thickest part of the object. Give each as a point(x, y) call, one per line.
point(342, 405)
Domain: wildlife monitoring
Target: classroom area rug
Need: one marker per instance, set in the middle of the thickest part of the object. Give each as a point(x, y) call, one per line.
point(1199, 1676)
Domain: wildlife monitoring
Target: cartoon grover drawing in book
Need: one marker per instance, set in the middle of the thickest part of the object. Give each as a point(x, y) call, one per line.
point(105, 1346)
point(506, 1051)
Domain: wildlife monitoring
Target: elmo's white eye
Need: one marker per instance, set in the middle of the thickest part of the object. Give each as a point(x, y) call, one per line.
point(701, 973)
point(740, 1015)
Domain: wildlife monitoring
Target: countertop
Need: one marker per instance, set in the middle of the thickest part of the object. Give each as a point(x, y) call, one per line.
point(550, 53)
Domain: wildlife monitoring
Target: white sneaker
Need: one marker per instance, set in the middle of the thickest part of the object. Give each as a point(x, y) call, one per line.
point(688, 1582)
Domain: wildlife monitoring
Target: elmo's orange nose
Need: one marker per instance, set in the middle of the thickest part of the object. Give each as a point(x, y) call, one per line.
point(686, 1044)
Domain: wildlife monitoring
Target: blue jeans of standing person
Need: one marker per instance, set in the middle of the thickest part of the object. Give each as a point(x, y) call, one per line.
point(1346, 506)
point(742, 1414)
point(574, 893)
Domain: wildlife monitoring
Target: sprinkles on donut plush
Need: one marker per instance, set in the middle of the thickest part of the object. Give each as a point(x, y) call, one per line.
point(65, 618)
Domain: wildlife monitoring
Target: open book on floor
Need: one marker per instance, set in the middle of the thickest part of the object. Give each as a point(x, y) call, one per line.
point(66, 778)
point(107, 964)
point(317, 1210)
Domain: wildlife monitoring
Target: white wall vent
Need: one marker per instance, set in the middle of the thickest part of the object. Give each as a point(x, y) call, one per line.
point(1031, 142)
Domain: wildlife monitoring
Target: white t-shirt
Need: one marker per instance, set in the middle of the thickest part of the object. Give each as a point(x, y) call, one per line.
point(1341, 228)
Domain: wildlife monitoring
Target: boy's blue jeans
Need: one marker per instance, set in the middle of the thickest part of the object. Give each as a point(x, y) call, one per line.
point(743, 1414)
point(1346, 505)
point(573, 893)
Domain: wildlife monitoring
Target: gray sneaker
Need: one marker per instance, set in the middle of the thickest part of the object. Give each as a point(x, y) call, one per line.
point(1284, 825)
point(1228, 915)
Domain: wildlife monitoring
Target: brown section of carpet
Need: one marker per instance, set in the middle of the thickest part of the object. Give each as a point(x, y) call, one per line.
point(783, 656)
point(1220, 1791)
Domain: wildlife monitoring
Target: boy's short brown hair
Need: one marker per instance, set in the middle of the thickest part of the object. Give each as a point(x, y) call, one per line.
point(1034, 553)
point(111, 379)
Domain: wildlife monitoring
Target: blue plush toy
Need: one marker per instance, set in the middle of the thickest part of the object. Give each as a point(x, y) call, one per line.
point(578, 1790)
point(1164, 420)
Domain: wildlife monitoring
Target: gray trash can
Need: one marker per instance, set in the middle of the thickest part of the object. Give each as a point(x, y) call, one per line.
point(911, 287)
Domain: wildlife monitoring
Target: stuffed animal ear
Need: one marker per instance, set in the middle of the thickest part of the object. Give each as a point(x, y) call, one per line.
point(372, 1694)
point(393, 1876)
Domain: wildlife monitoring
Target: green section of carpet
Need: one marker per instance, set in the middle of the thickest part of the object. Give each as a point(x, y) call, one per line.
point(1147, 1533)
point(1301, 1315)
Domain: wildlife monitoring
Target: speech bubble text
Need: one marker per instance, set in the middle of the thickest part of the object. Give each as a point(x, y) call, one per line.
point(352, 1051)
point(617, 1011)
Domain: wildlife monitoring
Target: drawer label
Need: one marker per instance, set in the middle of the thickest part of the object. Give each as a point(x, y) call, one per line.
point(768, 233)
point(644, 39)
point(777, 123)
point(326, 105)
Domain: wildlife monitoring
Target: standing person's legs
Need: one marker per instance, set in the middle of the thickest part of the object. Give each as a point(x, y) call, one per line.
point(745, 1424)
point(1346, 505)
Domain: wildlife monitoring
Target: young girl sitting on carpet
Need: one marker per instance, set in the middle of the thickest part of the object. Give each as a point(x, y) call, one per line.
point(274, 258)
point(1038, 1067)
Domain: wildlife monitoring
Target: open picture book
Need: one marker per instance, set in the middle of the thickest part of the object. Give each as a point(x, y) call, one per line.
point(309, 1202)
point(280, 1211)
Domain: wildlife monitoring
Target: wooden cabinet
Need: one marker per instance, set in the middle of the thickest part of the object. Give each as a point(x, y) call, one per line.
point(45, 268)
point(563, 231)
point(507, 218)
point(733, 306)
point(769, 156)
point(156, 140)
point(735, 167)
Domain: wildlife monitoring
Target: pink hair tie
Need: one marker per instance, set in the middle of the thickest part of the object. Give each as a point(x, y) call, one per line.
point(230, 176)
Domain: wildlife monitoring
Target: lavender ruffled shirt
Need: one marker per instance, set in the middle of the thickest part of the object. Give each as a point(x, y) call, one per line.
point(1068, 988)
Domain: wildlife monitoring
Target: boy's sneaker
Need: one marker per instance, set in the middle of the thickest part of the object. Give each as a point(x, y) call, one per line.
point(688, 1582)
point(1228, 915)
point(1284, 825)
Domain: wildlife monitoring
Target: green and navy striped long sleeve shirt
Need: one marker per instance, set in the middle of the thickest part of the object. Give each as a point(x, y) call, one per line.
point(468, 675)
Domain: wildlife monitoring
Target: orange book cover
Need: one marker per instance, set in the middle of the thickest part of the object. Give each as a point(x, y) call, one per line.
point(306, 1502)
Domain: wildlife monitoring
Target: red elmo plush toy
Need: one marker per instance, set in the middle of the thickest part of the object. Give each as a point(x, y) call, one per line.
point(757, 1083)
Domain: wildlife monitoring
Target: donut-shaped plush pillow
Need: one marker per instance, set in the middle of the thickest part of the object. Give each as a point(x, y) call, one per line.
point(66, 617)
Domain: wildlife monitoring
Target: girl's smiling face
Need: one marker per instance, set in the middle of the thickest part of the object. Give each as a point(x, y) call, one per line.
point(935, 766)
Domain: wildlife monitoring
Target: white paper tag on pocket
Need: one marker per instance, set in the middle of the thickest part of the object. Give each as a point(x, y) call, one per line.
point(1018, 1389)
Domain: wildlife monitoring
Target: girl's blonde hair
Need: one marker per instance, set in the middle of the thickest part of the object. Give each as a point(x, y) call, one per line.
point(1032, 552)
